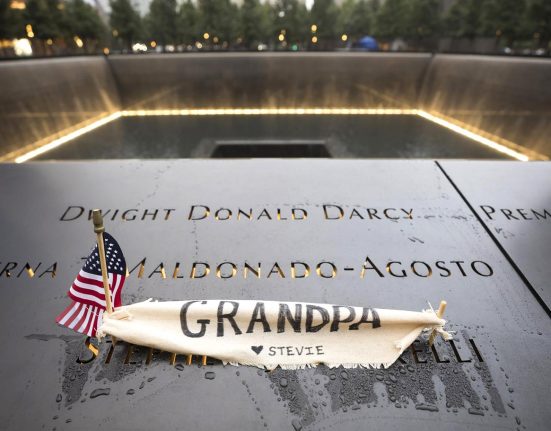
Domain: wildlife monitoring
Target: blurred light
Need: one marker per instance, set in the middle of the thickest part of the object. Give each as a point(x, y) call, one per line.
point(29, 30)
point(262, 47)
point(16, 4)
point(106, 51)
point(22, 47)
point(267, 111)
point(139, 47)
point(153, 44)
point(314, 28)
point(50, 42)
point(281, 13)
point(314, 39)
point(215, 39)
point(294, 47)
point(170, 48)
point(78, 41)
point(60, 6)
point(474, 136)
point(115, 32)
point(206, 36)
point(199, 45)
point(283, 31)
point(281, 38)
point(66, 138)
point(344, 37)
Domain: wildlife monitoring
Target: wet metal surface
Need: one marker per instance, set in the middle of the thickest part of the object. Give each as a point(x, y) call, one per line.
point(515, 203)
point(493, 375)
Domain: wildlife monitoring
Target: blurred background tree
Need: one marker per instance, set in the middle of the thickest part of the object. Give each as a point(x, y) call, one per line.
point(391, 19)
point(464, 19)
point(73, 26)
point(503, 19)
point(84, 25)
point(355, 19)
point(539, 22)
point(162, 23)
point(423, 19)
point(126, 23)
point(12, 24)
point(292, 26)
point(323, 18)
point(188, 19)
point(218, 19)
point(255, 23)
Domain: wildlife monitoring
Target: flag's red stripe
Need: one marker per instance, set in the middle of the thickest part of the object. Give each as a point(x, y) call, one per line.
point(90, 321)
point(79, 289)
point(64, 312)
point(86, 280)
point(86, 321)
point(80, 321)
point(73, 316)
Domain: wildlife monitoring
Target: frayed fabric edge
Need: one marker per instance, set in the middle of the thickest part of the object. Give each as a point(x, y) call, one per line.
point(271, 367)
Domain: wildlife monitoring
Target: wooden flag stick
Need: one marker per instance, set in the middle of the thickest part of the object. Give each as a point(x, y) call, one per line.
point(439, 313)
point(99, 229)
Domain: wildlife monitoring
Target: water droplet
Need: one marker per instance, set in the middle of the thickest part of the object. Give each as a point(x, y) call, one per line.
point(283, 382)
point(99, 392)
point(427, 407)
point(130, 392)
point(210, 375)
point(297, 426)
point(179, 367)
point(58, 398)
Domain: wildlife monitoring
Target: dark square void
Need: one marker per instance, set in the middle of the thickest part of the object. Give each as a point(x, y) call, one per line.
point(337, 136)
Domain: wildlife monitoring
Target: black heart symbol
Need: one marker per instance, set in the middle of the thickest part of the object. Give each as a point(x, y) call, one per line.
point(257, 349)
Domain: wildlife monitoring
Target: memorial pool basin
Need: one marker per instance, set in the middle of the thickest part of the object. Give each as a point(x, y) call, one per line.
point(244, 136)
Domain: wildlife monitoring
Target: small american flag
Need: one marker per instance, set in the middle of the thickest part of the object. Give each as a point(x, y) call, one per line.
point(85, 312)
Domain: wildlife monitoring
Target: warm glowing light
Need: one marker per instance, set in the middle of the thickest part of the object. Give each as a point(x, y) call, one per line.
point(283, 31)
point(267, 111)
point(66, 138)
point(215, 39)
point(314, 28)
point(29, 30)
point(474, 136)
point(16, 4)
point(206, 36)
point(78, 41)
point(153, 44)
point(22, 47)
point(139, 47)
point(106, 51)
point(281, 38)
point(199, 45)
point(115, 32)
point(314, 39)
point(433, 117)
point(344, 37)
point(50, 42)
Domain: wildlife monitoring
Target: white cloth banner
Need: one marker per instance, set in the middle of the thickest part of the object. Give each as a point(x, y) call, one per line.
point(268, 334)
